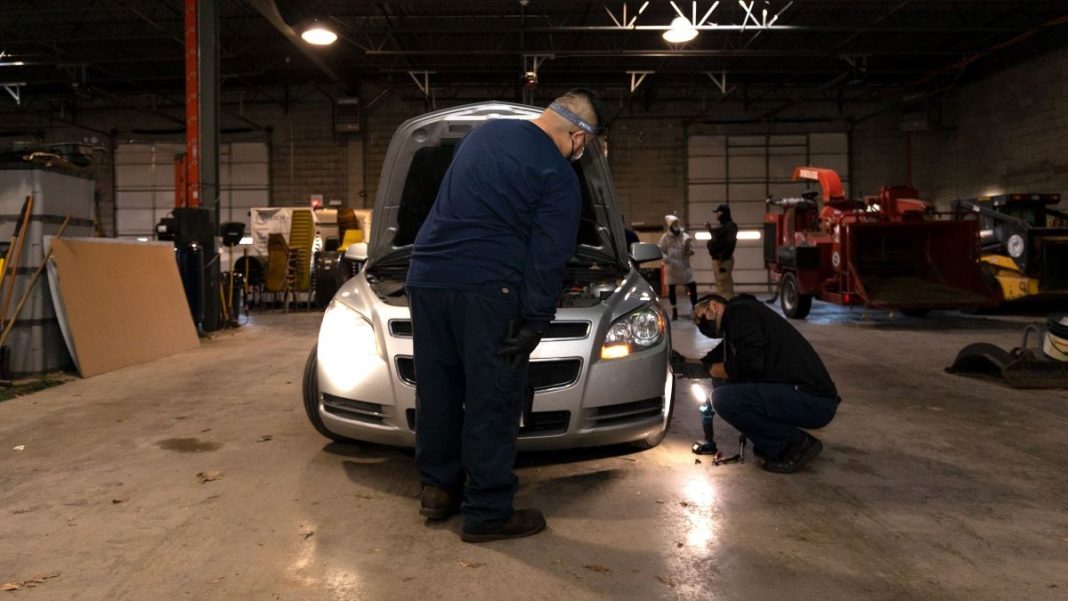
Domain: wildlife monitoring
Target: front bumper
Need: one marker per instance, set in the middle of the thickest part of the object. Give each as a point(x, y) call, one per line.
point(607, 402)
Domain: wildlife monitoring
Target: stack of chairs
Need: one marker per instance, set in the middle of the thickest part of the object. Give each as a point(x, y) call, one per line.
point(301, 239)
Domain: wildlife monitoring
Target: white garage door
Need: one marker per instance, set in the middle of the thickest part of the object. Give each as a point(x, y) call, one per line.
point(742, 171)
point(144, 184)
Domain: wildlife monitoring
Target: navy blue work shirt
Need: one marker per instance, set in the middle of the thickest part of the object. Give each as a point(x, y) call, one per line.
point(507, 212)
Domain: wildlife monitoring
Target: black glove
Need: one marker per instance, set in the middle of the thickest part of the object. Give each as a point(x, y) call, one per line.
point(684, 368)
point(518, 346)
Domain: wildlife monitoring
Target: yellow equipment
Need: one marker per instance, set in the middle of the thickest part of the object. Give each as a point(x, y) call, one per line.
point(1024, 243)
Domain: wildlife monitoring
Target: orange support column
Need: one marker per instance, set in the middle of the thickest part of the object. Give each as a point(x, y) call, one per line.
point(192, 108)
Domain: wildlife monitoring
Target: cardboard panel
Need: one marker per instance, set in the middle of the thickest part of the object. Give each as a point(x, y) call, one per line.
point(124, 302)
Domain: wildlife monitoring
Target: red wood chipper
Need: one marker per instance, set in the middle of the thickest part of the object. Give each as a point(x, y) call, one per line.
point(890, 251)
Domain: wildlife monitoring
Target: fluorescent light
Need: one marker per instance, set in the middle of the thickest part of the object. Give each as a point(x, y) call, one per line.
point(703, 235)
point(142, 239)
point(319, 35)
point(681, 31)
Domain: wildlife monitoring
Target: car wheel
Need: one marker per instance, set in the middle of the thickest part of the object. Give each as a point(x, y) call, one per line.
point(656, 439)
point(794, 304)
point(311, 397)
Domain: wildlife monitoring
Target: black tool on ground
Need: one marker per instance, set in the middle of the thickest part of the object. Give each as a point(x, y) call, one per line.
point(739, 458)
point(708, 445)
point(1020, 367)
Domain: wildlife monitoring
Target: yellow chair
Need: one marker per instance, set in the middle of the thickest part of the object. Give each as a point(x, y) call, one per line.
point(277, 263)
point(301, 239)
point(351, 237)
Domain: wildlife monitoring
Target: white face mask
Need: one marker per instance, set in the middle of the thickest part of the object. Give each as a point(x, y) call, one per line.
point(574, 157)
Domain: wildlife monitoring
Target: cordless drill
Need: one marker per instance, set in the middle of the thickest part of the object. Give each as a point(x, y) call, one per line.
point(708, 445)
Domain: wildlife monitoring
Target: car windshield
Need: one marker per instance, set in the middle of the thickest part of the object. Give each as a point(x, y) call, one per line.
point(427, 170)
point(1034, 215)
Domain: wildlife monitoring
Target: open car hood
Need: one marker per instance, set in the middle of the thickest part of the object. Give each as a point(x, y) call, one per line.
point(419, 154)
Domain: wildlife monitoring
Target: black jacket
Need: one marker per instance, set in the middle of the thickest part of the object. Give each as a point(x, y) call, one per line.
point(760, 346)
point(724, 239)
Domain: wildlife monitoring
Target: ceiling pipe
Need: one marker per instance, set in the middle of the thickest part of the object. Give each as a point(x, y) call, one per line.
point(270, 11)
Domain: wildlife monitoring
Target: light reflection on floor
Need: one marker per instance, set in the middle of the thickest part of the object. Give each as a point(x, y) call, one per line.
point(700, 496)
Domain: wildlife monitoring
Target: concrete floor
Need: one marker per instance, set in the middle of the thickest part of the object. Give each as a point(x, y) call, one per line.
point(931, 487)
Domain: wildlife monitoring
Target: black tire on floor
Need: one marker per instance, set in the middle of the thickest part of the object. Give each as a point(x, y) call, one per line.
point(311, 397)
point(794, 304)
point(654, 440)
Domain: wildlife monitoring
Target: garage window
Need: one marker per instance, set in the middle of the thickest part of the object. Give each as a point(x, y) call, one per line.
point(144, 183)
point(743, 170)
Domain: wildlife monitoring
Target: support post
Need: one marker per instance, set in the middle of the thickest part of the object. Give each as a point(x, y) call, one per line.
point(202, 138)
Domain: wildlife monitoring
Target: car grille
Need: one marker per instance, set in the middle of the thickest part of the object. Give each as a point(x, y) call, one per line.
point(360, 411)
point(544, 375)
point(401, 328)
point(566, 329)
point(541, 423)
point(612, 415)
point(557, 330)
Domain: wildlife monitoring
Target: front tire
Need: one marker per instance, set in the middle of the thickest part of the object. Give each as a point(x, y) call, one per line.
point(311, 397)
point(794, 304)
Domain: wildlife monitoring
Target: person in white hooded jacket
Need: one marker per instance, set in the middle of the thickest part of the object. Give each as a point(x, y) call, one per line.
point(677, 247)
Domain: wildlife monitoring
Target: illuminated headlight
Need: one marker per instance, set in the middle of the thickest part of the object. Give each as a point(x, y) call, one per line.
point(347, 345)
point(1016, 246)
point(633, 332)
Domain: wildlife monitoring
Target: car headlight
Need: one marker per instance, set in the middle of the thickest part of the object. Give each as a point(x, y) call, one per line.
point(345, 331)
point(348, 347)
point(633, 332)
point(1016, 246)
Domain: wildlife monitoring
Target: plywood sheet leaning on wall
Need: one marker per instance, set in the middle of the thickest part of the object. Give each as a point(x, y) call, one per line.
point(124, 302)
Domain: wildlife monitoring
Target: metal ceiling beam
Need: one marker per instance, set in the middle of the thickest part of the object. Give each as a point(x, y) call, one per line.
point(711, 52)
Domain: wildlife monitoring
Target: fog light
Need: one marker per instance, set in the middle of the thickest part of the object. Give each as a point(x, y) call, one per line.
point(615, 351)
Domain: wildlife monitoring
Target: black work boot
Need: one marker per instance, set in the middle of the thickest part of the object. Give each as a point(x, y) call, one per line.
point(795, 455)
point(524, 522)
point(437, 503)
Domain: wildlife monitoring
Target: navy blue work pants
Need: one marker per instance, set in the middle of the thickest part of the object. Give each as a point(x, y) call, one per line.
point(468, 399)
point(770, 414)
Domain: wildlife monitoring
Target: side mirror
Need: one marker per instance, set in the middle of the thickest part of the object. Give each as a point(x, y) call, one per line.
point(642, 252)
point(357, 251)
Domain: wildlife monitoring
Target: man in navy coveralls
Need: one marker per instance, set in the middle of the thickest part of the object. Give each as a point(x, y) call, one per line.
point(486, 272)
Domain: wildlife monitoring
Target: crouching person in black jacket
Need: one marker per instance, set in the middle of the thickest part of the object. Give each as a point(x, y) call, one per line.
point(775, 381)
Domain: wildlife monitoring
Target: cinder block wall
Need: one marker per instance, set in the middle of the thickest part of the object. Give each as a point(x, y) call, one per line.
point(878, 154)
point(307, 157)
point(1007, 133)
point(648, 161)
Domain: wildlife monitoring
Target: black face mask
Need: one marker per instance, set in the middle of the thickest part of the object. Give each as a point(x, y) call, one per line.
point(722, 217)
point(709, 328)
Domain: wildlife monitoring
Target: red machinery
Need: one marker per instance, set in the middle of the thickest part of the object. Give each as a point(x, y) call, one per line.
point(890, 251)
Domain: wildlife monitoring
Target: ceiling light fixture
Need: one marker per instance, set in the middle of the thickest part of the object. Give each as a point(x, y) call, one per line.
point(681, 31)
point(318, 34)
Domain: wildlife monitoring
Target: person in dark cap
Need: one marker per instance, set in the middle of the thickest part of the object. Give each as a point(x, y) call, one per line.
point(721, 248)
point(770, 382)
